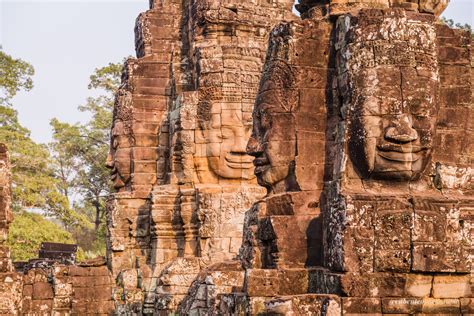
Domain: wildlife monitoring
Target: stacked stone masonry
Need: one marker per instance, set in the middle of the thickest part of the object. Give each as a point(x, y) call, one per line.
point(273, 164)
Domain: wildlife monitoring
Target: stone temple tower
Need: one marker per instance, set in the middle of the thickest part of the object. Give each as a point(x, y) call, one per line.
point(273, 164)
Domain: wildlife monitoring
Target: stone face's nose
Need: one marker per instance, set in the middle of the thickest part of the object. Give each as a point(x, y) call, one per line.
point(240, 145)
point(253, 147)
point(401, 131)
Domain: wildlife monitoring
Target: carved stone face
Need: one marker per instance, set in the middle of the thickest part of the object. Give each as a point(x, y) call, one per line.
point(227, 136)
point(391, 134)
point(273, 154)
point(272, 142)
point(119, 158)
point(394, 104)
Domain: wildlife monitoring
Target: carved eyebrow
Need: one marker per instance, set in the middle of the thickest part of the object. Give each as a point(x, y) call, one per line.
point(265, 106)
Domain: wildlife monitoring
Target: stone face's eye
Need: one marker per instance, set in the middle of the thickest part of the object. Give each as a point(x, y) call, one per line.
point(420, 106)
point(227, 133)
point(264, 118)
point(395, 108)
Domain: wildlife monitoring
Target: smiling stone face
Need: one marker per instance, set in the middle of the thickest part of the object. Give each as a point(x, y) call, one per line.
point(392, 127)
point(227, 136)
point(392, 75)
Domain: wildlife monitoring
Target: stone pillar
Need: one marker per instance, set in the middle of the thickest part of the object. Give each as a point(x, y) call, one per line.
point(139, 120)
point(208, 129)
point(10, 282)
point(6, 215)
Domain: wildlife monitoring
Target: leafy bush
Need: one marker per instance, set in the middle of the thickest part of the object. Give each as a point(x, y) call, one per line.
point(29, 230)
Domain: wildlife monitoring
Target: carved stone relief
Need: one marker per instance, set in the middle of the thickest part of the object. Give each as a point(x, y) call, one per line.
point(392, 81)
point(273, 142)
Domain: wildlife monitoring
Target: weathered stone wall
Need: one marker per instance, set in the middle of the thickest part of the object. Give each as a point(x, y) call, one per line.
point(395, 225)
point(209, 127)
point(338, 7)
point(65, 290)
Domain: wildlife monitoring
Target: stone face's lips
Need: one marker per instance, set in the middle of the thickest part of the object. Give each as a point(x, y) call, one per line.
point(238, 158)
point(261, 164)
point(398, 156)
point(238, 165)
point(400, 153)
point(390, 147)
point(239, 161)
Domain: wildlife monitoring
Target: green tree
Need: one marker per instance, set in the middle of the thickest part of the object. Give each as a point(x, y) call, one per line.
point(33, 182)
point(80, 152)
point(28, 231)
point(15, 74)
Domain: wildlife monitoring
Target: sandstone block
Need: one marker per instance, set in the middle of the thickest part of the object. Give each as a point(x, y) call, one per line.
point(439, 257)
point(418, 285)
point(437, 306)
point(467, 305)
point(293, 281)
point(42, 291)
point(28, 290)
point(361, 306)
point(63, 289)
point(452, 286)
point(62, 303)
point(262, 282)
point(373, 284)
point(309, 303)
point(41, 306)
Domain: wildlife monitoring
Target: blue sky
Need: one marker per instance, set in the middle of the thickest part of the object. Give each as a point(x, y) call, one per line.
point(65, 40)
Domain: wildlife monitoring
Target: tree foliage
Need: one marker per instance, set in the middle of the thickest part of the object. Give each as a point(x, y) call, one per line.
point(34, 184)
point(80, 152)
point(15, 75)
point(67, 179)
point(29, 230)
point(107, 77)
